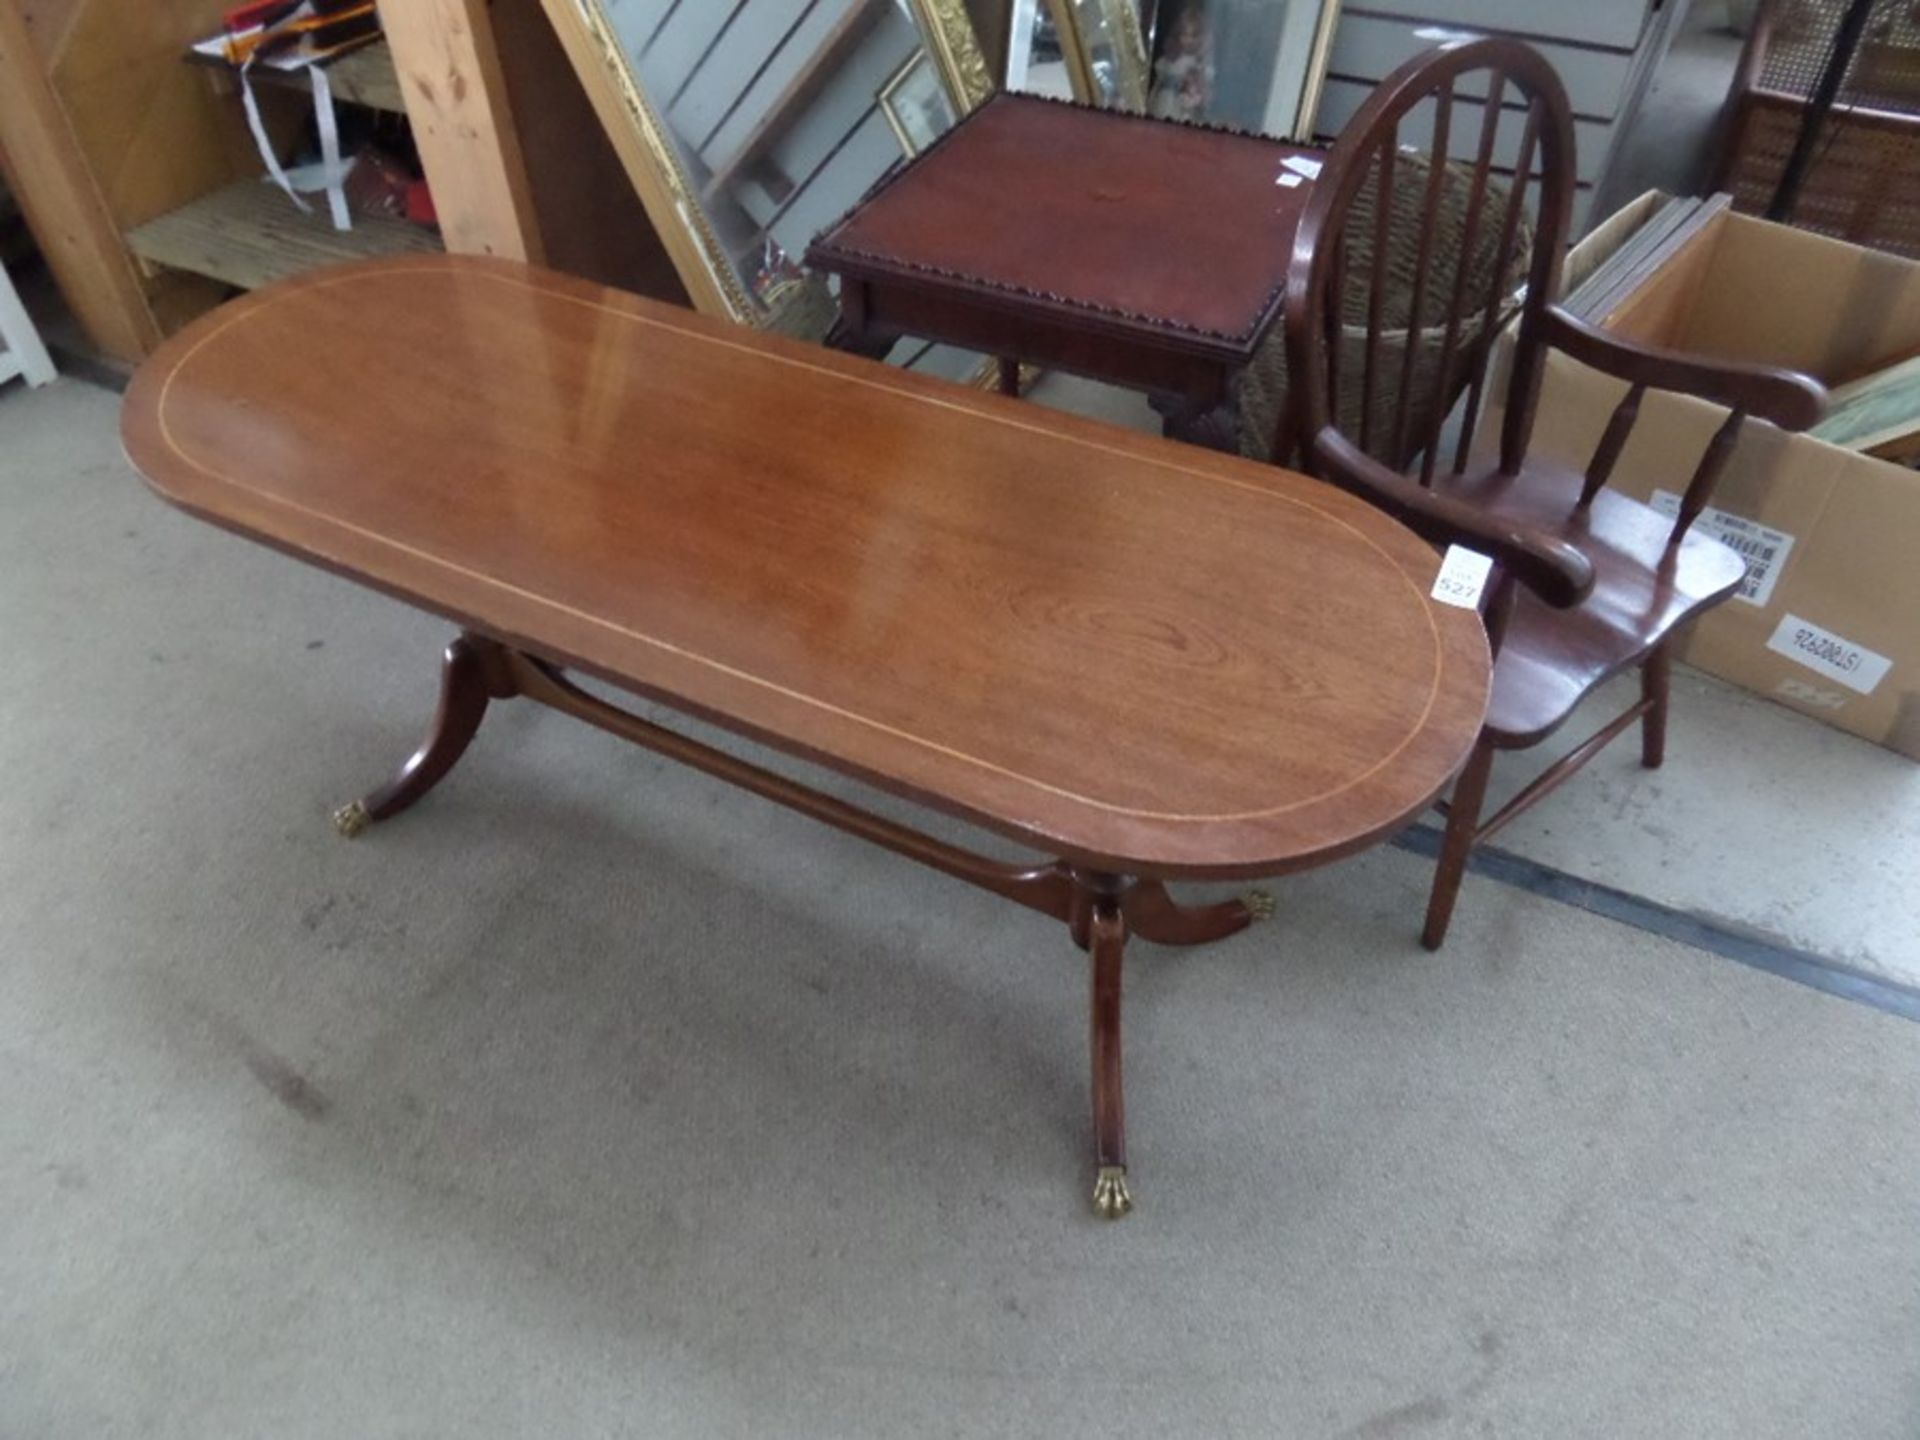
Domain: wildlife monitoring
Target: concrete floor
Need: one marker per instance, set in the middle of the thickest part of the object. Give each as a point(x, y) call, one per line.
point(595, 1098)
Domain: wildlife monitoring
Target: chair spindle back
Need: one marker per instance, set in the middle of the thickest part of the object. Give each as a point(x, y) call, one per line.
point(1398, 289)
point(1452, 188)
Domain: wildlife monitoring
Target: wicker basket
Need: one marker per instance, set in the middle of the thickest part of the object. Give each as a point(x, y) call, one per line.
point(1864, 183)
point(1262, 388)
point(1864, 186)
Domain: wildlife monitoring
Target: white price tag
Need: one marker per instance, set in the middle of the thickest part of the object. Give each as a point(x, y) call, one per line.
point(1764, 549)
point(1303, 167)
point(1290, 181)
point(1817, 648)
point(1463, 575)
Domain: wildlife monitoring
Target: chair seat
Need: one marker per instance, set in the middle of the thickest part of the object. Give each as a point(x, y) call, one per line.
point(1550, 660)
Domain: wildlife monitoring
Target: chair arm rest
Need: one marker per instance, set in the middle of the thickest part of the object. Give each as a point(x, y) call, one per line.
point(1789, 399)
point(1550, 567)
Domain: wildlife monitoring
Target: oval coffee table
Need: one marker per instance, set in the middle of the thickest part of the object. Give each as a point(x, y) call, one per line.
point(1142, 661)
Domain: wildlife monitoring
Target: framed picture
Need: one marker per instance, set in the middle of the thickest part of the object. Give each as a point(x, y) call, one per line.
point(1251, 64)
point(1105, 51)
point(916, 104)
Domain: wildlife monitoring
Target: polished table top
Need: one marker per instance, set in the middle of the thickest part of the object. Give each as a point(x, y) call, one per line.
point(1141, 225)
point(1123, 651)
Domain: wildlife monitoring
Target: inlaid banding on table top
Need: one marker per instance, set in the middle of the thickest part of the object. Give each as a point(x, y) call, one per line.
point(903, 391)
point(977, 411)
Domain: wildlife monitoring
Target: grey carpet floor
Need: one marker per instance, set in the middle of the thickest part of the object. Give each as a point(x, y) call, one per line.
point(593, 1098)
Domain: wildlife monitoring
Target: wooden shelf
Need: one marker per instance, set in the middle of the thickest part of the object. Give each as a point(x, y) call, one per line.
point(248, 234)
point(360, 77)
point(367, 77)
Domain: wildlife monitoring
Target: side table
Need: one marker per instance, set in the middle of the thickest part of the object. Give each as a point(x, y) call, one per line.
point(1146, 253)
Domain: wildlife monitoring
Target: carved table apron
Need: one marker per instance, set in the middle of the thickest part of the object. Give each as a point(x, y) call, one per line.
point(1138, 660)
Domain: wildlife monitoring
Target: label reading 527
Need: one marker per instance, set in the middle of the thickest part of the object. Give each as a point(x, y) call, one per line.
point(1463, 575)
point(1836, 657)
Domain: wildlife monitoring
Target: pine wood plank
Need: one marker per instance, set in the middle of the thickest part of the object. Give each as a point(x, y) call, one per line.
point(48, 172)
point(249, 234)
point(367, 77)
point(449, 69)
point(360, 77)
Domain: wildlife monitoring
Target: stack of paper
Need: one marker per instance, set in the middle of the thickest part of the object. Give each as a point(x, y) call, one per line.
point(1878, 413)
point(1671, 226)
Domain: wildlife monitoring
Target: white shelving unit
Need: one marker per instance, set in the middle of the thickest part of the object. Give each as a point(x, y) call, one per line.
point(22, 354)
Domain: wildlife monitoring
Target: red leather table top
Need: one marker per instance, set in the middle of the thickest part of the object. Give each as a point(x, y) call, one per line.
point(1137, 223)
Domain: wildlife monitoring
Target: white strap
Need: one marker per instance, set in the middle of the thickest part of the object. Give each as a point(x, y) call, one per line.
point(332, 171)
point(329, 124)
point(264, 145)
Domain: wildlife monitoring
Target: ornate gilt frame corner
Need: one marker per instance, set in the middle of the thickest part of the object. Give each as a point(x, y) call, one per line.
point(954, 46)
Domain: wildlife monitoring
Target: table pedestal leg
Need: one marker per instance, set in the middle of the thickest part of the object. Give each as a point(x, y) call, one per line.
point(471, 674)
point(1102, 912)
point(854, 340)
point(1080, 916)
point(1107, 943)
point(1100, 909)
point(1212, 426)
point(1154, 915)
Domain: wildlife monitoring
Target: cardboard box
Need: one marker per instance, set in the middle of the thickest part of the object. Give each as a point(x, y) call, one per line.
point(1828, 622)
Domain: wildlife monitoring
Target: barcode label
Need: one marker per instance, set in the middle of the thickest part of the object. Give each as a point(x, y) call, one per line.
point(1817, 648)
point(1763, 548)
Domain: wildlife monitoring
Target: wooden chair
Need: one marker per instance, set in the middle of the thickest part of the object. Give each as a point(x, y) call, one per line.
point(1586, 582)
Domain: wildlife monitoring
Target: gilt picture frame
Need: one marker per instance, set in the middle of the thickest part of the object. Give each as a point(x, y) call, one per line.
point(917, 105)
point(1105, 51)
point(678, 191)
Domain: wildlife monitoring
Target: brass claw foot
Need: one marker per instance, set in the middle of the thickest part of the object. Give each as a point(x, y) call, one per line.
point(1111, 1197)
point(350, 820)
point(1259, 905)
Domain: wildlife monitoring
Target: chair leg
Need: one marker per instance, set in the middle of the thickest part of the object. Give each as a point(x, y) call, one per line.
point(1656, 680)
point(1463, 823)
